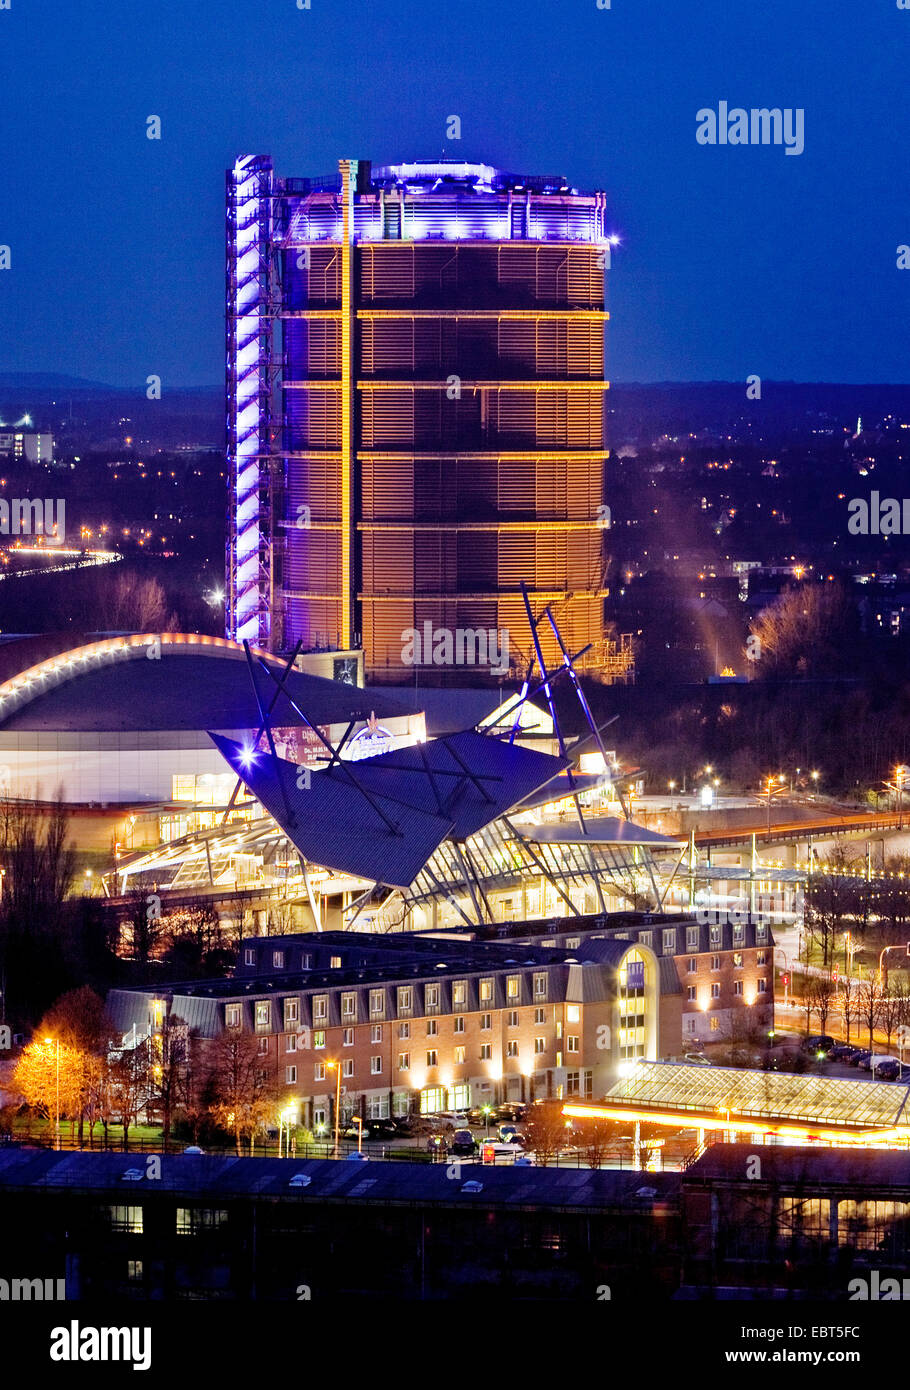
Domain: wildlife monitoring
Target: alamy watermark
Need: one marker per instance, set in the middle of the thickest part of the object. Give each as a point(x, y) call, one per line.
point(760, 125)
point(461, 646)
point(81, 1343)
point(876, 1289)
point(32, 1290)
point(25, 516)
point(879, 516)
point(757, 907)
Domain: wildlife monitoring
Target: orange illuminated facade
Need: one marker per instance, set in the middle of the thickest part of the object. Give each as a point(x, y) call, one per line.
point(442, 408)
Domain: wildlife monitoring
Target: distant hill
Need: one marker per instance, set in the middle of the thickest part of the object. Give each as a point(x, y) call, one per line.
point(50, 382)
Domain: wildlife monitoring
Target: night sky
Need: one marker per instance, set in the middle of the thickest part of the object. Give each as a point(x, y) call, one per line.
point(734, 260)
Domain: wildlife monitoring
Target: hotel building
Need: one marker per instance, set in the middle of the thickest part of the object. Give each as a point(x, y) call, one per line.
point(422, 1024)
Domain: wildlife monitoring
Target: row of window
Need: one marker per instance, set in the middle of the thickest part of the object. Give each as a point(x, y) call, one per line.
point(233, 1016)
point(761, 987)
point(761, 958)
point(459, 1057)
point(191, 1221)
point(670, 936)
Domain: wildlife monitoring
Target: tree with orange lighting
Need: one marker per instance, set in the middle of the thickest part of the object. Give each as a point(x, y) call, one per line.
point(35, 1079)
point(244, 1085)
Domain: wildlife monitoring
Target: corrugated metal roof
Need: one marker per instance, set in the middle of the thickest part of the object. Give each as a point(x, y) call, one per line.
point(815, 1165)
point(209, 1176)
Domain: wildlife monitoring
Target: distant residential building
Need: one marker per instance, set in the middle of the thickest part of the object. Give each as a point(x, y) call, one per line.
point(24, 446)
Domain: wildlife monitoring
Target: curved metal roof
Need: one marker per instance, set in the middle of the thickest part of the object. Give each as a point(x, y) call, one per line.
point(171, 680)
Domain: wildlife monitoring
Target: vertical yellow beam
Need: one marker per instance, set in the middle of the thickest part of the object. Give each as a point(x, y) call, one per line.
point(348, 169)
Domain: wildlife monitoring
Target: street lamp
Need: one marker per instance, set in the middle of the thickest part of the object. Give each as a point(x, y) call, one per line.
point(905, 947)
point(48, 1042)
point(336, 1067)
point(900, 772)
point(286, 1118)
point(357, 1122)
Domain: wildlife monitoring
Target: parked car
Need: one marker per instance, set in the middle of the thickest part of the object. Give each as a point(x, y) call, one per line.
point(886, 1069)
point(437, 1144)
point(819, 1042)
point(864, 1061)
point(698, 1058)
point(413, 1126)
point(452, 1119)
point(463, 1144)
point(856, 1057)
point(511, 1111)
point(380, 1129)
point(476, 1114)
point(843, 1052)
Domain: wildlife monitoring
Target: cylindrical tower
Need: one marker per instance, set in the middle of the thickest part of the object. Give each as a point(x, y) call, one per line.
point(443, 410)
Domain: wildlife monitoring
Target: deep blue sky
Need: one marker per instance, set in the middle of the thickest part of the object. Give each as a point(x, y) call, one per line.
point(734, 260)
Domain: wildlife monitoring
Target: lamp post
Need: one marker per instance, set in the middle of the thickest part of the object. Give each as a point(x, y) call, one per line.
point(900, 773)
point(336, 1067)
point(358, 1123)
point(286, 1118)
point(48, 1042)
point(881, 958)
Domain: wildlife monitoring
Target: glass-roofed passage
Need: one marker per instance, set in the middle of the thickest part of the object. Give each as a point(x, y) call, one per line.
point(743, 1101)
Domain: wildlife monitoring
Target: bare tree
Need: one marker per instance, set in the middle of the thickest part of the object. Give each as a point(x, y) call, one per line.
point(143, 926)
point(78, 1019)
point(545, 1130)
point(245, 1087)
point(830, 905)
point(128, 1086)
point(820, 993)
point(869, 999)
point(597, 1138)
point(891, 1010)
point(849, 1003)
point(808, 630)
